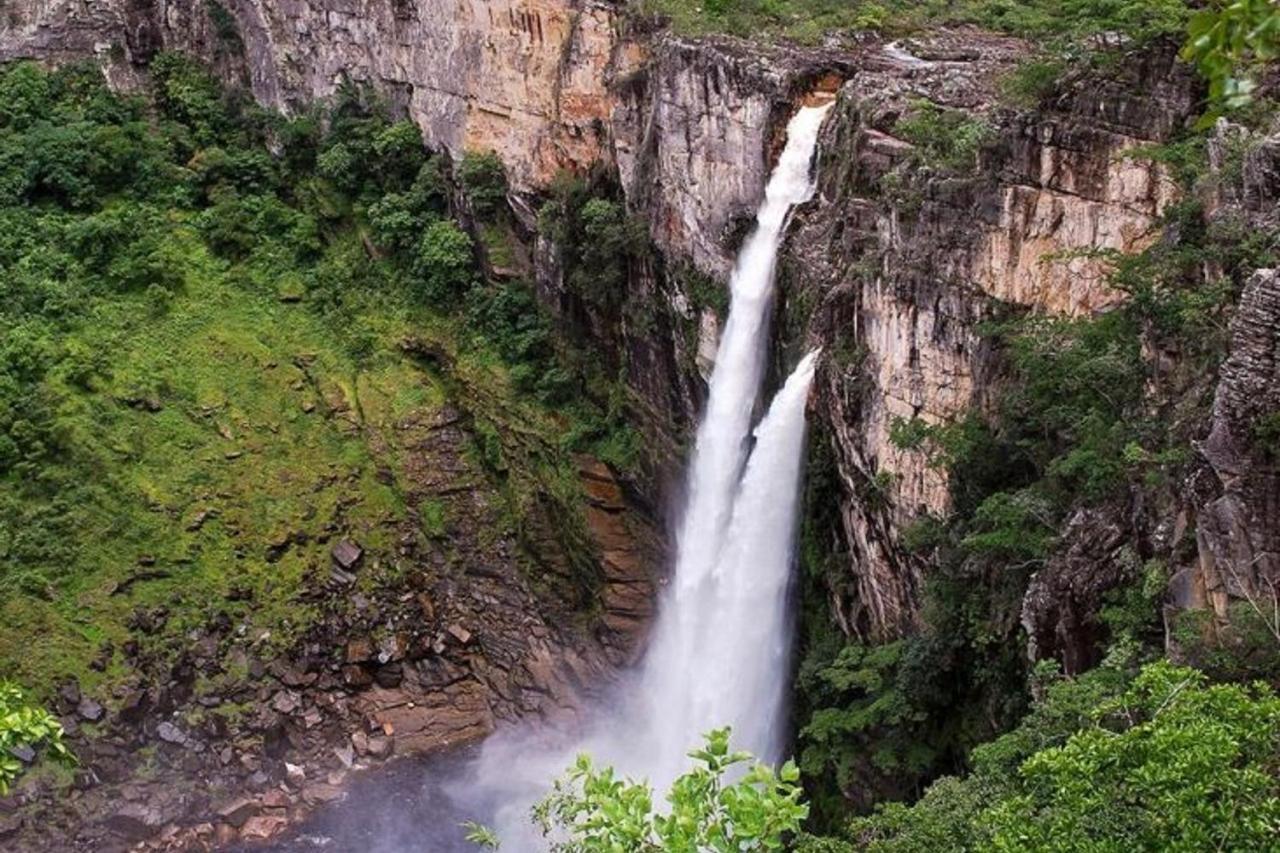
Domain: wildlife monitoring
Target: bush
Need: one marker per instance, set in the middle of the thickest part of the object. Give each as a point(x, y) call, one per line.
point(945, 139)
point(595, 811)
point(1173, 764)
point(22, 725)
point(399, 152)
point(1167, 761)
point(444, 263)
point(484, 179)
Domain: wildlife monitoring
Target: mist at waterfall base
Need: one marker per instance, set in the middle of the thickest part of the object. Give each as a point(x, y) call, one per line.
point(720, 649)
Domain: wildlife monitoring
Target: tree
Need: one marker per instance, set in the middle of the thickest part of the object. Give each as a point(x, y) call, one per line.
point(485, 181)
point(1173, 764)
point(25, 727)
point(1164, 760)
point(444, 261)
point(593, 810)
point(1229, 41)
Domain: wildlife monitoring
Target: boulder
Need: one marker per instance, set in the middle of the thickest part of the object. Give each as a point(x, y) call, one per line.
point(263, 827)
point(359, 650)
point(286, 702)
point(237, 811)
point(169, 733)
point(135, 821)
point(347, 555)
point(90, 710)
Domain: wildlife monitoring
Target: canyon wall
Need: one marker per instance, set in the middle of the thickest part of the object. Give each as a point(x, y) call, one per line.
point(894, 283)
point(524, 78)
point(898, 282)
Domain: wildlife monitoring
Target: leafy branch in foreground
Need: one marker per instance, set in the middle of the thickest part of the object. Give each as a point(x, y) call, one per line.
point(25, 727)
point(593, 810)
point(1229, 41)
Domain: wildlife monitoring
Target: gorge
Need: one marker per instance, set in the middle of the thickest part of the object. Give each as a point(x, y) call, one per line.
point(353, 369)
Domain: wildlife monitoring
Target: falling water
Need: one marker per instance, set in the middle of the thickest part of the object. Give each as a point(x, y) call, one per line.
point(732, 666)
point(720, 647)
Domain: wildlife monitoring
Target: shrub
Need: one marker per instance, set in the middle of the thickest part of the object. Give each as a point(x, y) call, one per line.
point(598, 812)
point(484, 179)
point(22, 725)
point(945, 139)
point(1167, 761)
point(444, 263)
point(1174, 763)
point(399, 152)
point(1032, 81)
point(1230, 43)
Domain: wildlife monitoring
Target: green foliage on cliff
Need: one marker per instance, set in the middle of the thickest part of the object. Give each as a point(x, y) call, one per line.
point(202, 357)
point(25, 727)
point(596, 237)
point(944, 139)
point(812, 20)
point(1165, 761)
point(1230, 41)
point(484, 180)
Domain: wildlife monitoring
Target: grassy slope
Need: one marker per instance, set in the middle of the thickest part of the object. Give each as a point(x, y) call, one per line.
point(231, 440)
point(216, 434)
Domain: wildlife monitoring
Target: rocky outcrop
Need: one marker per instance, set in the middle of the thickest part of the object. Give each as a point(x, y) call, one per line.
point(694, 129)
point(463, 621)
point(899, 261)
point(1238, 530)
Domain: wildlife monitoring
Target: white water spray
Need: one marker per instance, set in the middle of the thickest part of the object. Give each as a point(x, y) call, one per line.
point(720, 647)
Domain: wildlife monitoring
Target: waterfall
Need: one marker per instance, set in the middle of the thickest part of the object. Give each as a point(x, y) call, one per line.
point(684, 688)
point(721, 645)
point(727, 664)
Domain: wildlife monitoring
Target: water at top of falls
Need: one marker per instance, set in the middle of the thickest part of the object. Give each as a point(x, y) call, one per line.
point(720, 648)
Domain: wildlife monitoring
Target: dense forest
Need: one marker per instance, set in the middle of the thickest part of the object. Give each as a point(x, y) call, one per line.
point(224, 329)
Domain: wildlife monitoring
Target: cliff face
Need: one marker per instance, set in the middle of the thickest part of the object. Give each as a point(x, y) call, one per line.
point(899, 282)
point(524, 78)
point(892, 268)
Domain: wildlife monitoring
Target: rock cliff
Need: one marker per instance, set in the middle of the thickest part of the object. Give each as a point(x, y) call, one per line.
point(898, 283)
point(524, 78)
point(893, 268)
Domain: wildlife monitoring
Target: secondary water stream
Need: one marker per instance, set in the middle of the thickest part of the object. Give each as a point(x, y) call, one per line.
point(720, 650)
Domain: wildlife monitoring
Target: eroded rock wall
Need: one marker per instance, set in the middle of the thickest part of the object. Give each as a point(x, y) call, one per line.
point(900, 262)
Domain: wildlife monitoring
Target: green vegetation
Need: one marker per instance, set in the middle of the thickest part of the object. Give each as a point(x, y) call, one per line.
point(597, 238)
point(945, 139)
point(23, 726)
point(1163, 760)
point(1031, 81)
point(1230, 41)
point(203, 358)
point(1062, 21)
point(485, 181)
point(592, 810)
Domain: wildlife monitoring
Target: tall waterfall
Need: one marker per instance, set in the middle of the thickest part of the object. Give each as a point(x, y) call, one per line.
point(720, 648)
point(721, 632)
